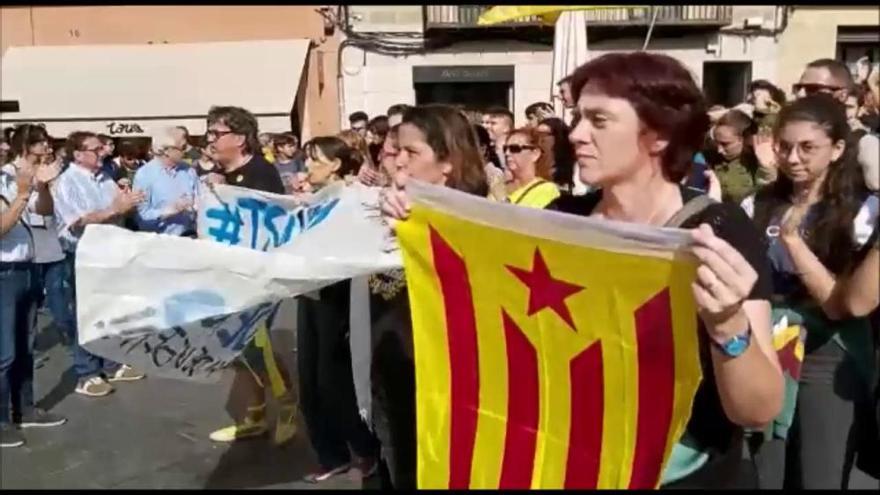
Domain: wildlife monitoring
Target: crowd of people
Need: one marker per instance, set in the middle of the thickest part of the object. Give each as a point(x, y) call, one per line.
point(780, 195)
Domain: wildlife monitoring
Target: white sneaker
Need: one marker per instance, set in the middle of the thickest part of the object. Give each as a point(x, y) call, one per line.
point(95, 386)
point(125, 373)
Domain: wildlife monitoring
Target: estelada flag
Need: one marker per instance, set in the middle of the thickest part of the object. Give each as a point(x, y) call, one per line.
point(551, 351)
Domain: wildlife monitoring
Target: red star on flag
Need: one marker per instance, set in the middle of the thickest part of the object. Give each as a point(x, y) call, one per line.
point(544, 290)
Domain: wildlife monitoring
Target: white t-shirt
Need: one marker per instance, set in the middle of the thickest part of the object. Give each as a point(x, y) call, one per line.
point(869, 160)
point(47, 249)
point(17, 245)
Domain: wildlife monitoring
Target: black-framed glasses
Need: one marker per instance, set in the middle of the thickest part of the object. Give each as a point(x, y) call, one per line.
point(516, 148)
point(813, 88)
point(214, 135)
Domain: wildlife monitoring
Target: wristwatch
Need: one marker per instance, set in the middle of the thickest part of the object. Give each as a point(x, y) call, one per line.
point(737, 345)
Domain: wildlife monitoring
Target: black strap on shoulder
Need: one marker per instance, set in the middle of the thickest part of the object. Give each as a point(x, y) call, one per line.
point(692, 207)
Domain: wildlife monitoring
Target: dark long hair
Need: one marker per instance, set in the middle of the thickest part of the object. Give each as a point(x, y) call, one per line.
point(333, 148)
point(451, 137)
point(830, 235)
point(485, 143)
point(26, 135)
point(563, 152)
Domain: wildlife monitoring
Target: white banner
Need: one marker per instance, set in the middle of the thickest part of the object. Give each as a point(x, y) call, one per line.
point(185, 308)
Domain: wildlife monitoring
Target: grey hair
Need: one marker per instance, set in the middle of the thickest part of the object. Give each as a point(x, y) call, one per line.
point(163, 140)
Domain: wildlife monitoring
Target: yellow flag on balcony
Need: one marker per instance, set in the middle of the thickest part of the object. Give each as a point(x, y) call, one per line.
point(548, 13)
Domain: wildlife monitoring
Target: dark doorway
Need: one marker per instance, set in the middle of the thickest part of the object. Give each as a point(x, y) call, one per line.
point(726, 83)
point(471, 95)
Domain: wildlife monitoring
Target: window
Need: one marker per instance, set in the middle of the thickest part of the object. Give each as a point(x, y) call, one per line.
point(474, 87)
point(726, 83)
point(471, 96)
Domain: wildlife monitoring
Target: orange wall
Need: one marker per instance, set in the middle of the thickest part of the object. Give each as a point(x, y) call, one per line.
point(181, 24)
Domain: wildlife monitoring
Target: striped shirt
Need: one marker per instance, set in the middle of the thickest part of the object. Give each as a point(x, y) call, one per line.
point(78, 192)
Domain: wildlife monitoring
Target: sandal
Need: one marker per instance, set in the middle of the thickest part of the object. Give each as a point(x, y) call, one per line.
point(326, 475)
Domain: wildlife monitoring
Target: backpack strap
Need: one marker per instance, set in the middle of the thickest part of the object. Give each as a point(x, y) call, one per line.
point(692, 207)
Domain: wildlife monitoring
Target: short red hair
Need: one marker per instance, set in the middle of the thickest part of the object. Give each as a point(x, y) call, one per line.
point(664, 95)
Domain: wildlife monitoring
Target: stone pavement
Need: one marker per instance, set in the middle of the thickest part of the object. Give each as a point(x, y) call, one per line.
point(149, 434)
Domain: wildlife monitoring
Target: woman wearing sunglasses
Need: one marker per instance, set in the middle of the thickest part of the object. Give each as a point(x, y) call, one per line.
point(530, 165)
point(818, 218)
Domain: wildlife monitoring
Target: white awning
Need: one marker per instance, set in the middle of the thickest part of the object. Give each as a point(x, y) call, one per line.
point(130, 90)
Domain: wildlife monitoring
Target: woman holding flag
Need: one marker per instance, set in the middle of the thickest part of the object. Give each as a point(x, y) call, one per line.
point(435, 144)
point(642, 119)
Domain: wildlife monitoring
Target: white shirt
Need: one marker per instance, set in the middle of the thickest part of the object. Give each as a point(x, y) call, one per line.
point(47, 249)
point(17, 245)
point(869, 160)
point(78, 192)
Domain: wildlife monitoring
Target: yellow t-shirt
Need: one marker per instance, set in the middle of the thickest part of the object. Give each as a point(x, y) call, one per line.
point(536, 194)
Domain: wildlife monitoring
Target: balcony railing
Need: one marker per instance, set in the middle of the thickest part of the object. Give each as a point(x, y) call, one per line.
point(466, 16)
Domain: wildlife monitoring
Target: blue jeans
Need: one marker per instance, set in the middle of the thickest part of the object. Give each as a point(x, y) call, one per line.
point(17, 318)
point(85, 364)
point(55, 280)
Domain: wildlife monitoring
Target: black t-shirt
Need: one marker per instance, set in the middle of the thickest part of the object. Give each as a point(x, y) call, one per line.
point(256, 174)
point(709, 426)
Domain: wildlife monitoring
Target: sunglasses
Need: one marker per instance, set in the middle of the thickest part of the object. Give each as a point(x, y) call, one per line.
point(516, 148)
point(810, 88)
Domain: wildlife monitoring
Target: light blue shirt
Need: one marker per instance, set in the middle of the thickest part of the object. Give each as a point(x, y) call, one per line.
point(163, 187)
point(79, 191)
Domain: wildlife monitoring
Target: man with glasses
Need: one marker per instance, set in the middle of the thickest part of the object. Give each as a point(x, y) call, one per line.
point(834, 78)
point(359, 122)
point(232, 138)
point(170, 187)
point(84, 195)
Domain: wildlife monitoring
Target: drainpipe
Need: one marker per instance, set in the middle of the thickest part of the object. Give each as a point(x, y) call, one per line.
point(340, 79)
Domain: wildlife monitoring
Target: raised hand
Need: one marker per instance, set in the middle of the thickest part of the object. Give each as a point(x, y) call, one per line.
point(24, 178)
point(724, 281)
point(126, 201)
point(47, 173)
point(764, 150)
point(714, 191)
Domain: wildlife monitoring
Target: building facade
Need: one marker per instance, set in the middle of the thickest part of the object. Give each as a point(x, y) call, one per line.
point(511, 65)
point(313, 102)
point(846, 33)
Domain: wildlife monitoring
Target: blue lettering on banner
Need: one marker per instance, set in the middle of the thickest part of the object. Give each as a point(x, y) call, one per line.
point(264, 220)
point(247, 326)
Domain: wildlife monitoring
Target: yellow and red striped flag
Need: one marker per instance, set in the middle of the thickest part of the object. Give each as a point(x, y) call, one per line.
point(551, 351)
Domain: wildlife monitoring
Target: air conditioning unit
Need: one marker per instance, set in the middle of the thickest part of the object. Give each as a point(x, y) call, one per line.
point(755, 22)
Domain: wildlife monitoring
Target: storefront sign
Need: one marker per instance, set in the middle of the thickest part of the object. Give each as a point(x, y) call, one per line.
point(117, 128)
point(463, 73)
